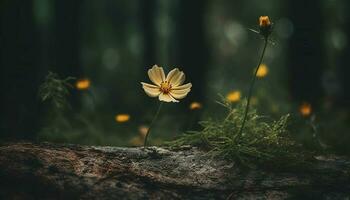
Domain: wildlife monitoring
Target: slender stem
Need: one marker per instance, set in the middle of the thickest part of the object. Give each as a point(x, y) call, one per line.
point(151, 125)
point(251, 88)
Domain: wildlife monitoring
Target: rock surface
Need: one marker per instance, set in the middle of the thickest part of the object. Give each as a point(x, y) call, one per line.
point(64, 171)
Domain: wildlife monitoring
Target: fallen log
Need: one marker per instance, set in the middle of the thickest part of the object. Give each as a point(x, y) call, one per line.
point(67, 171)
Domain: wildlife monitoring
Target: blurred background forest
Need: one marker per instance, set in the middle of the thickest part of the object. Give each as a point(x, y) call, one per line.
point(108, 46)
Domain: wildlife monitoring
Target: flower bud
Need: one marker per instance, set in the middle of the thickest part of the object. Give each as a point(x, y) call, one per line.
point(265, 26)
point(264, 21)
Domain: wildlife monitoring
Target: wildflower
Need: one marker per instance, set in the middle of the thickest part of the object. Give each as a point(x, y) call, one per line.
point(143, 131)
point(233, 96)
point(136, 141)
point(169, 88)
point(121, 118)
point(265, 26)
point(195, 105)
point(265, 29)
point(262, 71)
point(83, 84)
point(305, 109)
point(275, 108)
point(254, 100)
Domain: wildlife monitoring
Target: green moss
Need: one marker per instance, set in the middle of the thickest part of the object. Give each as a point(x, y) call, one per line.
point(262, 141)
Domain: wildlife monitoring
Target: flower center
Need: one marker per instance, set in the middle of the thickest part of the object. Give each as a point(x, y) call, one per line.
point(165, 87)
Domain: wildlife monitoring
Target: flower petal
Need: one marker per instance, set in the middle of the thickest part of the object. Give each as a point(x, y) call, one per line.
point(151, 90)
point(182, 87)
point(167, 98)
point(181, 92)
point(156, 74)
point(175, 77)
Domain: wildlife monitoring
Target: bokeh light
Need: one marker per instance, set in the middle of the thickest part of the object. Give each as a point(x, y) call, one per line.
point(254, 101)
point(136, 141)
point(195, 105)
point(305, 109)
point(233, 96)
point(121, 118)
point(143, 130)
point(83, 84)
point(262, 71)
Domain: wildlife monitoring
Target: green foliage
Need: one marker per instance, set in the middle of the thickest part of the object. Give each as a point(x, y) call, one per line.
point(55, 90)
point(262, 141)
point(66, 125)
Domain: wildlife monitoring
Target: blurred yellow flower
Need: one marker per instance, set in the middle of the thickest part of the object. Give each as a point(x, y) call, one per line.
point(82, 84)
point(233, 96)
point(305, 109)
point(275, 108)
point(136, 141)
point(254, 101)
point(195, 105)
point(168, 88)
point(264, 21)
point(143, 131)
point(262, 71)
point(121, 118)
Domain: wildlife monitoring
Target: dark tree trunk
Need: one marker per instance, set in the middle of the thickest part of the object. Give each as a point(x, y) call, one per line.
point(306, 51)
point(19, 50)
point(344, 66)
point(192, 54)
point(65, 41)
point(52, 171)
point(147, 18)
point(192, 49)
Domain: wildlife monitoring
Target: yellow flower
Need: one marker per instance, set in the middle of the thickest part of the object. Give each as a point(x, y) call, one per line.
point(264, 21)
point(82, 84)
point(275, 108)
point(168, 88)
point(262, 71)
point(143, 131)
point(195, 106)
point(265, 26)
point(233, 96)
point(136, 141)
point(254, 101)
point(305, 109)
point(121, 118)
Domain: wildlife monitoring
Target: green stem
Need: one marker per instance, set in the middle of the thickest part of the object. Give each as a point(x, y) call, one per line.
point(151, 125)
point(251, 88)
